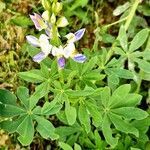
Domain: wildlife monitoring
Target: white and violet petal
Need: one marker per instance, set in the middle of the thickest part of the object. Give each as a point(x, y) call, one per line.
point(80, 58)
point(39, 57)
point(79, 34)
point(33, 41)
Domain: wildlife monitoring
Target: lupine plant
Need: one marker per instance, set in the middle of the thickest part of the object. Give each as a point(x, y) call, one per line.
point(82, 99)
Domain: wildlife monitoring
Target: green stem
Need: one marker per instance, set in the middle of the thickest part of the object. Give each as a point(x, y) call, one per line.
point(128, 21)
point(114, 23)
point(131, 14)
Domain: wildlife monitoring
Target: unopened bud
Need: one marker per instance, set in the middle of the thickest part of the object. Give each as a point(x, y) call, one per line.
point(53, 19)
point(46, 4)
point(56, 7)
point(45, 15)
point(62, 22)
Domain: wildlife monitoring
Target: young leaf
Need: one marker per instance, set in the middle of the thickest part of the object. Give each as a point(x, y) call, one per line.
point(138, 40)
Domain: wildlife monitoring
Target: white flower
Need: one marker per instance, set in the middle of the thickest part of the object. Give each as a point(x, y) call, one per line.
point(43, 43)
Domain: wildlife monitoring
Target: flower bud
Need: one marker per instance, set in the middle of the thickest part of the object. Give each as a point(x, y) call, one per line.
point(46, 4)
point(53, 19)
point(45, 15)
point(62, 22)
point(56, 7)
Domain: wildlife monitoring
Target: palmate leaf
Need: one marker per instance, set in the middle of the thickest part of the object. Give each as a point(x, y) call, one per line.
point(119, 109)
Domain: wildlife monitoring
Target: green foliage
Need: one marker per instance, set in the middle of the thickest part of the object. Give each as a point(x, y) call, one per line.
point(98, 104)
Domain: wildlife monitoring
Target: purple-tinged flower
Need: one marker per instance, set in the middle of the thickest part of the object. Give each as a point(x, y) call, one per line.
point(80, 58)
point(38, 22)
point(43, 43)
point(73, 37)
point(61, 62)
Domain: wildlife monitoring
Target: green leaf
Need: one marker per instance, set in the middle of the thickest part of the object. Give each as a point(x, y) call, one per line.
point(10, 110)
point(66, 131)
point(122, 73)
point(119, 93)
point(22, 21)
point(98, 140)
point(71, 113)
point(113, 79)
point(121, 8)
point(122, 37)
point(86, 92)
point(26, 131)
point(89, 65)
point(11, 125)
point(105, 96)
point(138, 40)
point(65, 146)
point(7, 97)
point(33, 76)
point(45, 128)
point(40, 91)
point(143, 65)
point(77, 147)
point(45, 71)
point(122, 125)
point(84, 117)
point(108, 132)
point(95, 113)
point(49, 107)
point(23, 95)
point(119, 51)
point(131, 113)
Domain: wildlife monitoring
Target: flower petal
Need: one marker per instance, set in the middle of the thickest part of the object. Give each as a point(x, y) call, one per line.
point(80, 58)
point(61, 62)
point(33, 41)
point(46, 47)
point(57, 51)
point(39, 57)
point(38, 22)
point(69, 50)
point(79, 34)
